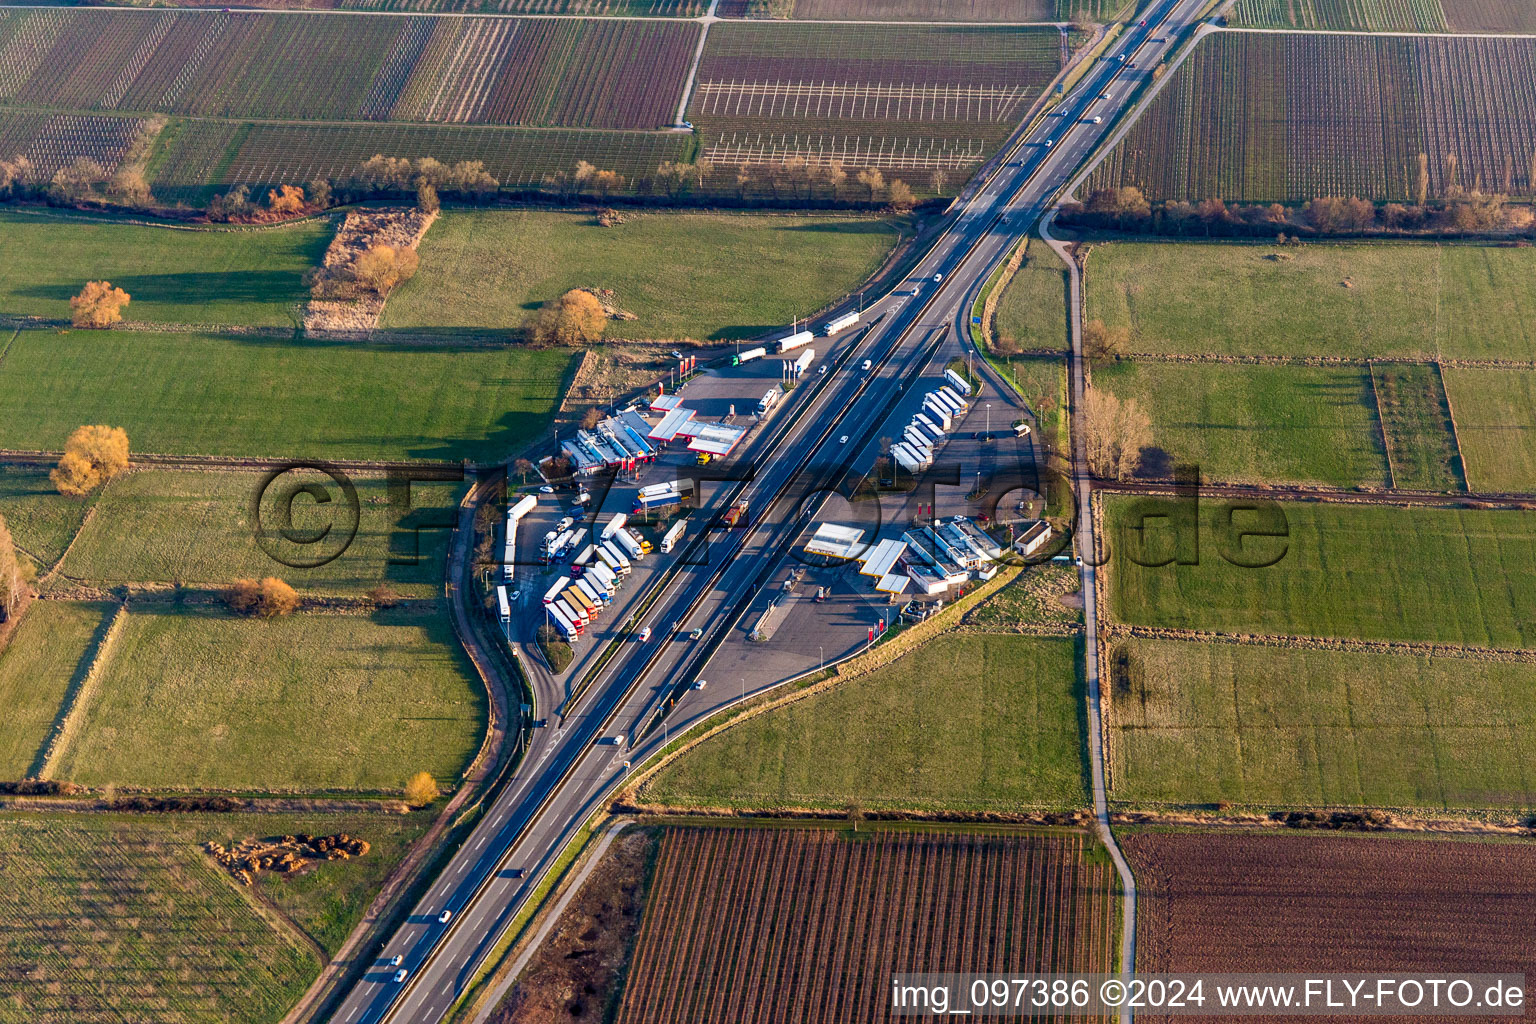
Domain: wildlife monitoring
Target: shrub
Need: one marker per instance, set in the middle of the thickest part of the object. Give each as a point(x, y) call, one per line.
point(267, 598)
point(98, 306)
point(421, 789)
point(383, 268)
point(576, 319)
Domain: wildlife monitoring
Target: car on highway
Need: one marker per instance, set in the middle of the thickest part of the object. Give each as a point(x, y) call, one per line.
point(445, 917)
point(645, 634)
point(698, 684)
point(937, 278)
point(843, 439)
point(1094, 120)
point(696, 634)
point(822, 372)
point(868, 363)
point(1049, 143)
point(1121, 58)
point(1103, 95)
point(396, 960)
point(401, 975)
point(1142, 23)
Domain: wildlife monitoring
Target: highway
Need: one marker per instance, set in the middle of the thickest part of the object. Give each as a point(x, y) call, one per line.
point(572, 766)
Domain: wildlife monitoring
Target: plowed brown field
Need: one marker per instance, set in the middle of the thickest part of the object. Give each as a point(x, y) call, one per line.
point(1332, 903)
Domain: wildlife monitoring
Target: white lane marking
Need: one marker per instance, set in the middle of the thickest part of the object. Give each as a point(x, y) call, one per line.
point(461, 868)
point(480, 843)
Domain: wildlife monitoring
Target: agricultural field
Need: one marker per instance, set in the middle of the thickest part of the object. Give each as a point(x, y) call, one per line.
point(592, 8)
point(924, 10)
point(1202, 723)
point(846, 908)
point(1345, 15)
point(1496, 423)
point(1416, 425)
point(198, 154)
point(488, 269)
point(1388, 15)
point(565, 72)
point(251, 278)
point(41, 522)
point(1441, 575)
point(205, 394)
point(88, 891)
point(972, 722)
point(1254, 902)
point(1247, 423)
point(1409, 301)
point(908, 100)
point(196, 697)
point(1246, 117)
point(52, 140)
point(44, 661)
point(1031, 314)
point(196, 529)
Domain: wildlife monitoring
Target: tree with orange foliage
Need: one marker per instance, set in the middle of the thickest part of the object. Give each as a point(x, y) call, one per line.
point(578, 318)
point(98, 306)
point(269, 598)
point(92, 456)
point(286, 200)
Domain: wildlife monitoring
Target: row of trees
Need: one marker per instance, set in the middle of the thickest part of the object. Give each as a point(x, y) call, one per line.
point(1127, 209)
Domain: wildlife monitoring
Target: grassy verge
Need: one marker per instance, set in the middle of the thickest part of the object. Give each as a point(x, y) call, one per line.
point(971, 722)
point(682, 275)
point(1201, 723)
point(1455, 576)
point(206, 394)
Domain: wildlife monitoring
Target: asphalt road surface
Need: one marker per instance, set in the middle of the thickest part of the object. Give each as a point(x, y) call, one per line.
point(573, 765)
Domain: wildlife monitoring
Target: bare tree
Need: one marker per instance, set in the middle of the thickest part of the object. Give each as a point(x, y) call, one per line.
point(11, 581)
point(1102, 344)
point(1117, 431)
point(872, 179)
point(1421, 180)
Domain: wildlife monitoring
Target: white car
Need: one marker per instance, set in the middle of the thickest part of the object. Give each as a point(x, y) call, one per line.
point(698, 684)
point(843, 439)
point(445, 917)
point(396, 960)
point(546, 489)
point(1049, 143)
point(401, 975)
point(645, 634)
point(937, 278)
point(822, 371)
point(696, 634)
point(1096, 119)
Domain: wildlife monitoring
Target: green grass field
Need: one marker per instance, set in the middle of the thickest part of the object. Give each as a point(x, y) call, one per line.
point(1495, 414)
point(1256, 423)
point(196, 528)
point(1416, 425)
point(688, 275)
point(199, 698)
point(250, 277)
point(41, 522)
point(1199, 723)
point(203, 394)
point(1409, 300)
point(1031, 315)
point(44, 660)
point(1042, 595)
point(112, 917)
point(1455, 576)
point(973, 722)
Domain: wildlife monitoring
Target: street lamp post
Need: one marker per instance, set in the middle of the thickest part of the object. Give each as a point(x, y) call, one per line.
point(823, 652)
point(988, 407)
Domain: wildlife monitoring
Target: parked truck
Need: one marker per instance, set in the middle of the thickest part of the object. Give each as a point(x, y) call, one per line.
point(749, 355)
point(616, 559)
point(562, 622)
point(554, 591)
point(672, 536)
point(958, 382)
point(614, 525)
point(770, 397)
point(652, 502)
point(628, 544)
